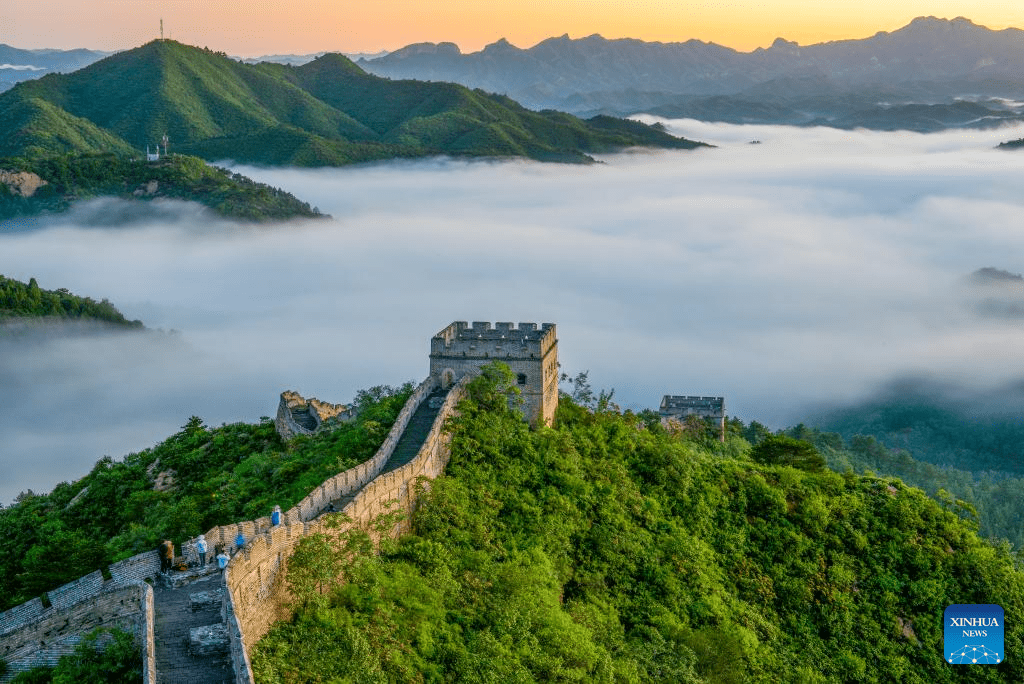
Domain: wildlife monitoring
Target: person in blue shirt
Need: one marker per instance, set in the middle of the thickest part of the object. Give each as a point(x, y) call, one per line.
point(240, 540)
point(275, 517)
point(222, 559)
point(201, 548)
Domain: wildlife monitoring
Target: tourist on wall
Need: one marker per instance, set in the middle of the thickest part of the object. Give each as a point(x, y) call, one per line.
point(222, 558)
point(201, 547)
point(239, 541)
point(166, 555)
point(275, 517)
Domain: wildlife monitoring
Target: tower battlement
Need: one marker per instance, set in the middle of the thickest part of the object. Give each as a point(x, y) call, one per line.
point(680, 407)
point(531, 351)
point(505, 339)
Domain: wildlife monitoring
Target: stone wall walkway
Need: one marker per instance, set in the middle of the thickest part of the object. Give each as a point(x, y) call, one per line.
point(412, 438)
point(185, 654)
point(416, 431)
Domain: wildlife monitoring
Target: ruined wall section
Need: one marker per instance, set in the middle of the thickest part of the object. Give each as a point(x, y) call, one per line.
point(297, 415)
point(257, 590)
point(680, 407)
point(56, 631)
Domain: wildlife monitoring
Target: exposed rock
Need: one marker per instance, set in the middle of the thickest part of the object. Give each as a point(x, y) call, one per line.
point(77, 496)
point(147, 190)
point(21, 183)
point(907, 630)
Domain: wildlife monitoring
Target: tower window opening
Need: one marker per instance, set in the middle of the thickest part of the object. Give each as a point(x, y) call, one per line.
point(522, 378)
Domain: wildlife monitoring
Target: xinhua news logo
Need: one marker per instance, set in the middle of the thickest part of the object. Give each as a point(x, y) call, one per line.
point(973, 634)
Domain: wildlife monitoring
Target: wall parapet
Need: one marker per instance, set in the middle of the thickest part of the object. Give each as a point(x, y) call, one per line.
point(257, 593)
point(58, 630)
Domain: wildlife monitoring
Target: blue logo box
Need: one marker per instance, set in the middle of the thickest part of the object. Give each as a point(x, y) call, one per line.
point(973, 634)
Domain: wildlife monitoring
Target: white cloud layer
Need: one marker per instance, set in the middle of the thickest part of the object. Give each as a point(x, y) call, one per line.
point(811, 268)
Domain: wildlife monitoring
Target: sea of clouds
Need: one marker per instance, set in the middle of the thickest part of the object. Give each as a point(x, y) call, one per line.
point(812, 268)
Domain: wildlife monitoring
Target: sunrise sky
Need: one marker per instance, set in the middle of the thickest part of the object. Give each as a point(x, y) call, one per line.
point(304, 26)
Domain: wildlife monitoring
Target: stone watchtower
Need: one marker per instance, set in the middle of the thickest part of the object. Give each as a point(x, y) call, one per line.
point(711, 409)
point(531, 353)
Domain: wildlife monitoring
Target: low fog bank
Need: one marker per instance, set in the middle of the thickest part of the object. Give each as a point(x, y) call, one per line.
point(810, 268)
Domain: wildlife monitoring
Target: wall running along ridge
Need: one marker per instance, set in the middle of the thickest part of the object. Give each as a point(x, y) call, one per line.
point(257, 596)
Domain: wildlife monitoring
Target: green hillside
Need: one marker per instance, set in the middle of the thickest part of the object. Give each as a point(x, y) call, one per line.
point(328, 112)
point(81, 176)
point(36, 127)
point(606, 550)
point(200, 477)
point(20, 300)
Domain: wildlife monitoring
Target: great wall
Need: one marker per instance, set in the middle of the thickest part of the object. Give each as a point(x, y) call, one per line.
point(200, 626)
point(256, 596)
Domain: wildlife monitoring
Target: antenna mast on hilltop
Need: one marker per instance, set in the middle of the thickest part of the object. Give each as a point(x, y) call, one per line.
point(161, 28)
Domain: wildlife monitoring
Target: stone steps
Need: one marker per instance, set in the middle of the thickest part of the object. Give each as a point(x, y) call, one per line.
point(191, 639)
point(416, 431)
point(409, 443)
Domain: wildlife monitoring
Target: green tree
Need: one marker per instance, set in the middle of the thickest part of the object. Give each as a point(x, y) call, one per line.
point(783, 450)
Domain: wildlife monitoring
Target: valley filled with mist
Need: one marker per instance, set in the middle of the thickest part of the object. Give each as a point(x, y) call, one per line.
point(810, 270)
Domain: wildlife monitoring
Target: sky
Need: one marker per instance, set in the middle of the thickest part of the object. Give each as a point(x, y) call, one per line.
point(814, 269)
point(250, 29)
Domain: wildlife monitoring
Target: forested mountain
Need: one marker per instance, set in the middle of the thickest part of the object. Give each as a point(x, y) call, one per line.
point(604, 549)
point(326, 112)
point(19, 65)
point(607, 550)
point(20, 300)
point(948, 441)
point(36, 184)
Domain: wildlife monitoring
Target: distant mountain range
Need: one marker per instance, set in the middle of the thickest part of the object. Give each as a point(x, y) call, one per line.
point(323, 113)
point(299, 60)
point(18, 65)
point(931, 74)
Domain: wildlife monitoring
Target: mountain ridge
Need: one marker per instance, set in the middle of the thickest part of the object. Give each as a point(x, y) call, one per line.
point(929, 61)
point(217, 108)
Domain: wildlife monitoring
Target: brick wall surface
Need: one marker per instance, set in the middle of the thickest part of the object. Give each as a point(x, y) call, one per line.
point(57, 631)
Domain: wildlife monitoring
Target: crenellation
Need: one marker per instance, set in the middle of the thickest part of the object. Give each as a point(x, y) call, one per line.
point(65, 596)
point(57, 630)
point(531, 353)
point(680, 407)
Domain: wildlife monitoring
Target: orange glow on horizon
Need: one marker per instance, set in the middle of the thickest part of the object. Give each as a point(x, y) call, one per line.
point(305, 26)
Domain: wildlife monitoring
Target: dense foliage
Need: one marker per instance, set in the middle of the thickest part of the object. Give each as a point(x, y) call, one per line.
point(79, 176)
point(194, 480)
point(608, 550)
point(992, 498)
point(21, 300)
point(325, 113)
point(972, 450)
point(103, 657)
